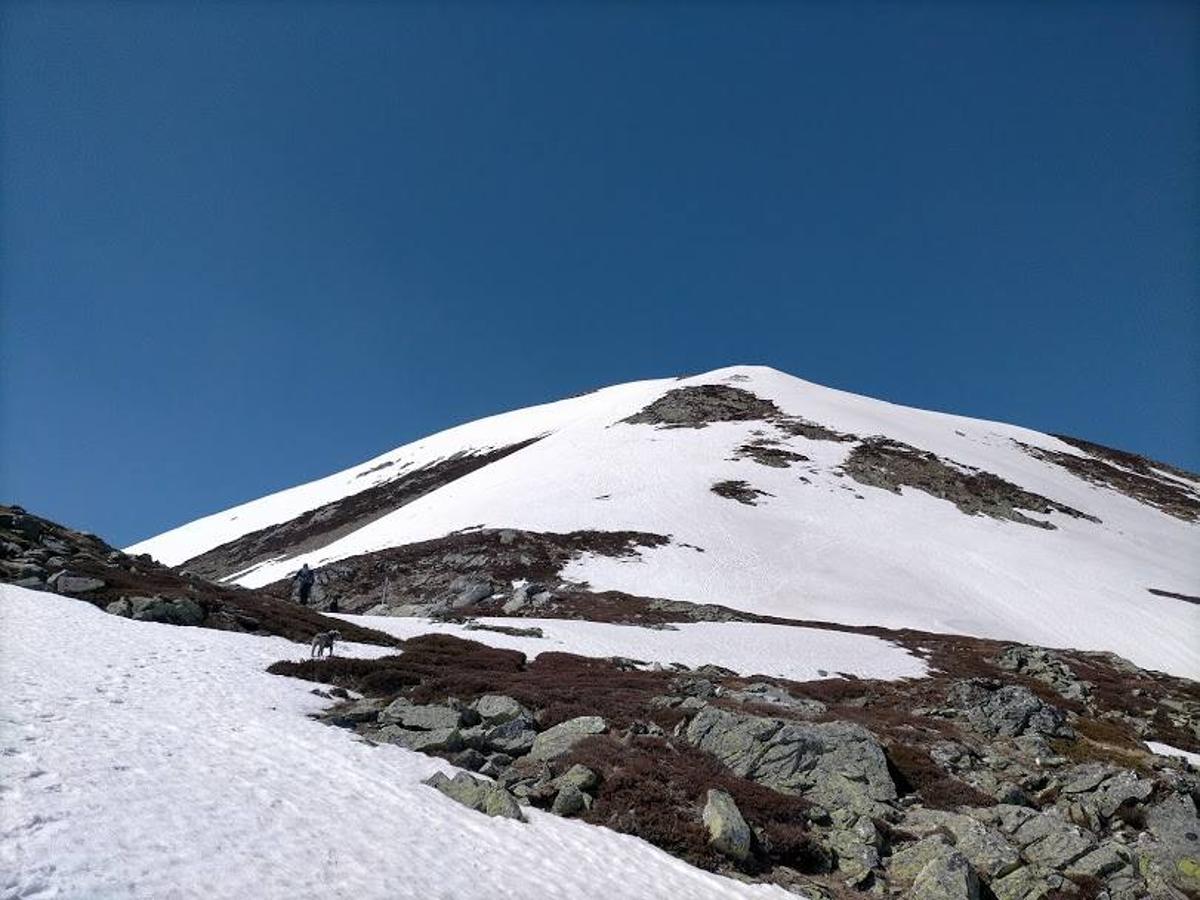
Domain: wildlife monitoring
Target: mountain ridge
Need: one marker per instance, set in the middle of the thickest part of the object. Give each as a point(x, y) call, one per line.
point(808, 502)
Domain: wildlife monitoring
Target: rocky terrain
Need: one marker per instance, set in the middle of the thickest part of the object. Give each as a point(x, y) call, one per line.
point(41, 555)
point(1012, 777)
point(1041, 584)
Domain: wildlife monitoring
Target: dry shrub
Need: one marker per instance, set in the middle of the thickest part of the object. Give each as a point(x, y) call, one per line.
point(656, 789)
point(916, 772)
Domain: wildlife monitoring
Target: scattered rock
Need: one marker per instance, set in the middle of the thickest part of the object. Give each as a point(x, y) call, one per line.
point(482, 796)
point(562, 737)
point(579, 776)
point(727, 830)
point(438, 739)
point(65, 583)
point(570, 801)
point(1006, 710)
point(496, 709)
point(947, 877)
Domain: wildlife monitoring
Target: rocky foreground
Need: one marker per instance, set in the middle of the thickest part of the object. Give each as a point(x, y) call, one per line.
point(1008, 786)
point(1010, 772)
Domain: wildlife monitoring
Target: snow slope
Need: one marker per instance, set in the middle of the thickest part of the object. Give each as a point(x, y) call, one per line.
point(821, 546)
point(148, 761)
point(783, 651)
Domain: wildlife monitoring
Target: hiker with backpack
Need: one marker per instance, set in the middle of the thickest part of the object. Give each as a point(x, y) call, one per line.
point(305, 579)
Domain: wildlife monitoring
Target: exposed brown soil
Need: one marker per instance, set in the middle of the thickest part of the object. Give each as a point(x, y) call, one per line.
point(1177, 492)
point(325, 524)
point(884, 463)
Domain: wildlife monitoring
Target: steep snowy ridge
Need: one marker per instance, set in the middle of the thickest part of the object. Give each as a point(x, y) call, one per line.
point(814, 542)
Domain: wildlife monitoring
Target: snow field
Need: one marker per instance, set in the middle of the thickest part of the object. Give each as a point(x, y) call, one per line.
point(783, 651)
point(140, 760)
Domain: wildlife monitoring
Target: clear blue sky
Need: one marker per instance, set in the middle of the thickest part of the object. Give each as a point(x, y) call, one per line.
point(246, 244)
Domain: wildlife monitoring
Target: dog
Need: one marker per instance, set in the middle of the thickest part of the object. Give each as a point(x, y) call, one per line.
point(324, 642)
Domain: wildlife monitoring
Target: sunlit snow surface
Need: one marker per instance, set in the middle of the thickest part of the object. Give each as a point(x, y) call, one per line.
point(800, 654)
point(1167, 750)
point(827, 549)
point(150, 761)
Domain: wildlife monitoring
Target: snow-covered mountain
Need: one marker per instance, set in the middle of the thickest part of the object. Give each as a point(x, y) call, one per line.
point(778, 497)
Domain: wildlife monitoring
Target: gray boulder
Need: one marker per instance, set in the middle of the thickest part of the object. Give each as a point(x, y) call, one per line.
point(579, 776)
point(835, 764)
point(1008, 710)
point(570, 801)
point(65, 583)
point(515, 737)
point(482, 796)
point(762, 692)
point(985, 848)
point(1174, 855)
point(910, 861)
point(410, 715)
point(562, 737)
point(437, 739)
point(728, 832)
point(947, 877)
point(496, 709)
point(468, 590)
point(470, 759)
point(181, 611)
point(347, 715)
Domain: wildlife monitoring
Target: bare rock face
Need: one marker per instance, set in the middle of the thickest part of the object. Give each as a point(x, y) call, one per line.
point(835, 764)
point(1007, 710)
point(888, 464)
point(696, 407)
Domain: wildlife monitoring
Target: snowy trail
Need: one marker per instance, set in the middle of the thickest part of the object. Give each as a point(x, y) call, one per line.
point(149, 761)
point(800, 654)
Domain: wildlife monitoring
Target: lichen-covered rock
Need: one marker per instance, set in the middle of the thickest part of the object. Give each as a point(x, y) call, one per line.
point(856, 850)
point(562, 737)
point(514, 737)
point(769, 694)
point(1022, 884)
point(1051, 843)
point(579, 776)
point(989, 853)
point(425, 741)
point(835, 764)
point(728, 832)
point(908, 862)
point(948, 877)
point(496, 709)
point(1174, 856)
point(482, 796)
point(1102, 861)
point(1006, 710)
point(570, 801)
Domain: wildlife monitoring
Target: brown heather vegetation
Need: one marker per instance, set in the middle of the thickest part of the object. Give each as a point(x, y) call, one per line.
point(656, 789)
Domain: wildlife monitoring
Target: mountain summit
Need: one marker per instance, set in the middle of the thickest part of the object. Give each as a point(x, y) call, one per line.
point(755, 491)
